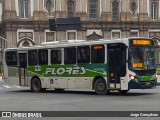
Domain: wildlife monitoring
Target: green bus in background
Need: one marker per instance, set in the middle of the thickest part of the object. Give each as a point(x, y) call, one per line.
point(104, 65)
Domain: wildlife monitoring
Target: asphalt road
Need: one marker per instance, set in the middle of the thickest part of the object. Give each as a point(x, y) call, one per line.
point(15, 98)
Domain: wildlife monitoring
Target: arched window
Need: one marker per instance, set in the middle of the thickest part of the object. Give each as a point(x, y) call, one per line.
point(133, 6)
point(70, 8)
point(24, 8)
point(93, 9)
point(115, 11)
point(25, 42)
point(154, 11)
point(49, 5)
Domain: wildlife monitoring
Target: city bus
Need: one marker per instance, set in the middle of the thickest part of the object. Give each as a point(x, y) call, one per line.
point(102, 65)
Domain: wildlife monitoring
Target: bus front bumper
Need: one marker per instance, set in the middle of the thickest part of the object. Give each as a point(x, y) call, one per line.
point(141, 85)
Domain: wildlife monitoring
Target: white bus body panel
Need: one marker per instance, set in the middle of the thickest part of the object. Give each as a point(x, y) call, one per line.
point(71, 83)
point(12, 80)
point(83, 83)
point(66, 83)
point(124, 83)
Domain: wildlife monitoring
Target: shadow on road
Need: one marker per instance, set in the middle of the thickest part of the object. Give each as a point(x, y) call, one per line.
point(114, 93)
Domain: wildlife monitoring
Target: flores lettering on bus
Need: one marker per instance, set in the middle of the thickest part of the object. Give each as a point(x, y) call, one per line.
point(69, 70)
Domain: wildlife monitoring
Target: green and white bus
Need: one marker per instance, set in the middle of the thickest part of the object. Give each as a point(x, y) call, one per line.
point(103, 65)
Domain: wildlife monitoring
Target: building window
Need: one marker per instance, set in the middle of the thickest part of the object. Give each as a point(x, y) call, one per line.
point(26, 43)
point(93, 9)
point(115, 11)
point(154, 11)
point(71, 35)
point(133, 6)
point(49, 5)
point(116, 34)
point(50, 36)
point(70, 8)
point(134, 33)
point(24, 8)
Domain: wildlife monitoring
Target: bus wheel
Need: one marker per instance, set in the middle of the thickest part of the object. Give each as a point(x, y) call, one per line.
point(35, 85)
point(123, 92)
point(100, 87)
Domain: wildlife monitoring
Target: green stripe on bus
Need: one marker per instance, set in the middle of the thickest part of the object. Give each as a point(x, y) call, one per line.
point(70, 70)
point(146, 78)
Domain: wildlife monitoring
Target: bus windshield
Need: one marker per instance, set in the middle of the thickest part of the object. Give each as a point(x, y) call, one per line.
point(141, 58)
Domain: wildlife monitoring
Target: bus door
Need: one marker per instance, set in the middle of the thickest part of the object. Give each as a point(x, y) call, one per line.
point(116, 53)
point(22, 64)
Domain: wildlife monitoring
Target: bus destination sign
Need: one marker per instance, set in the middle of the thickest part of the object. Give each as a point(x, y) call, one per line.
point(140, 42)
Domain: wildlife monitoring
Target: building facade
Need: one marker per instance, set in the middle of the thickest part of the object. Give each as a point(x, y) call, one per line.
point(26, 22)
point(1, 32)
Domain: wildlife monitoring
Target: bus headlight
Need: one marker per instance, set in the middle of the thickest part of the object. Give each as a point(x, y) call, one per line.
point(131, 77)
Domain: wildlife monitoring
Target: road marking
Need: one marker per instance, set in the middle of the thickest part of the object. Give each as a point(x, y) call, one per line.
point(17, 86)
point(7, 86)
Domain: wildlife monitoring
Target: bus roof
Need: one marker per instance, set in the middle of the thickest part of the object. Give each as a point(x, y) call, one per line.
point(70, 43)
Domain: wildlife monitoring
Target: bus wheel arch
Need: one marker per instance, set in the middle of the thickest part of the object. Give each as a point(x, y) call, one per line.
point(35, 84)
point(94, 80)
point(99, 85)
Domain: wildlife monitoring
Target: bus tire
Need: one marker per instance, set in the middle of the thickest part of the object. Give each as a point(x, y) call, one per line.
point(100, 87)
point(123, 92)
point(35, 85)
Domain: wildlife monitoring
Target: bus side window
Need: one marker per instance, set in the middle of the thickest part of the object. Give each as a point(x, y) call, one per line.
point(11, 58)
point(43, 57)
point(55, 56)
point(83, 54)
point(97, 54)
point(32, 57)
point(70, 55)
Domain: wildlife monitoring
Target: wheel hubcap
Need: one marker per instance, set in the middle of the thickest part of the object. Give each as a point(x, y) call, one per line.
point(36, 86)
point(101, 86)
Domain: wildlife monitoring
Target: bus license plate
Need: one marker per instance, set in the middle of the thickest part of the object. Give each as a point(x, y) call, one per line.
point(148, 83)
